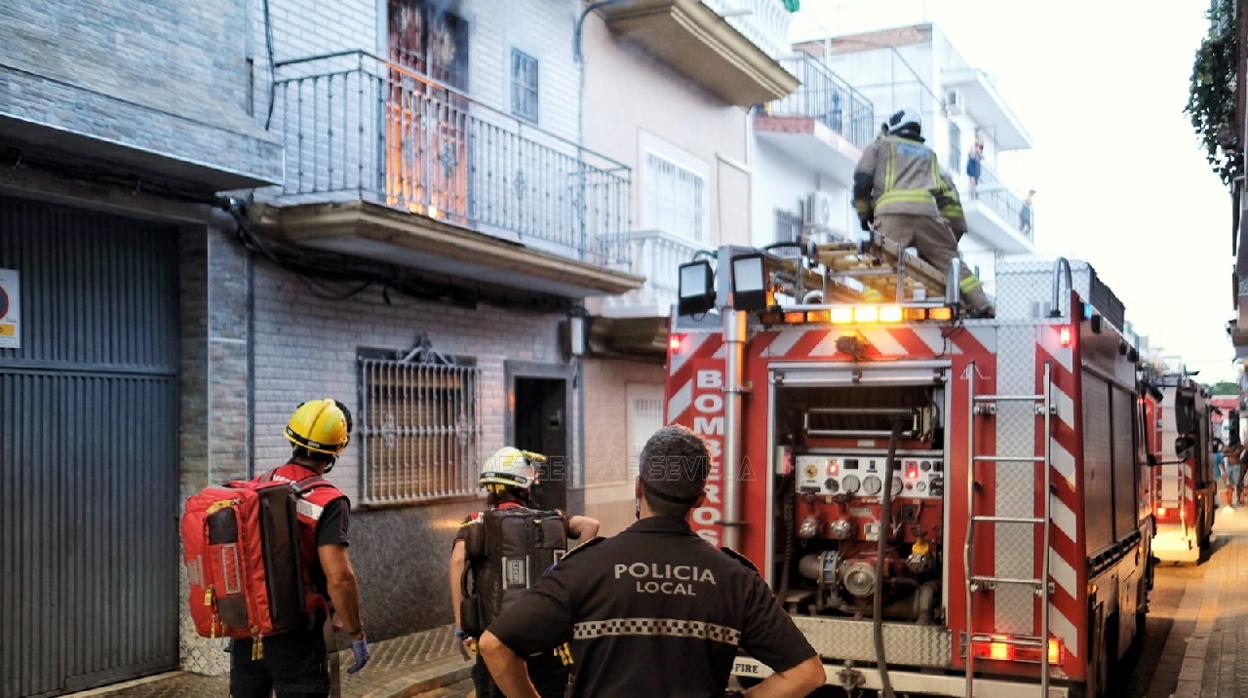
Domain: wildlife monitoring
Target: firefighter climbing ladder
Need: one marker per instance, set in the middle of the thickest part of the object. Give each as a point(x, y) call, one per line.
point(985, 406)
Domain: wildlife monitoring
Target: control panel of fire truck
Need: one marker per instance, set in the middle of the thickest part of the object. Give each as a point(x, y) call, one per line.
point(837, 459)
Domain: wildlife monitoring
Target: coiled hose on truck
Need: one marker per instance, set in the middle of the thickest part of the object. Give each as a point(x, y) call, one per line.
point(886, 527)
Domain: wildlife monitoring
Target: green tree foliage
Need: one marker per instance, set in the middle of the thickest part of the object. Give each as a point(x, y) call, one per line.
point(1211, 103)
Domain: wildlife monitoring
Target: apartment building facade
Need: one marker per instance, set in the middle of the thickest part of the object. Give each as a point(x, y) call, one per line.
point(917, 67)
point(668, 90)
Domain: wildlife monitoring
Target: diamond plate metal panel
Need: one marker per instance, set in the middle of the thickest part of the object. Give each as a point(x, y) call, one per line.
point(904, 643)
point(1025, 289)
point(1014, 553)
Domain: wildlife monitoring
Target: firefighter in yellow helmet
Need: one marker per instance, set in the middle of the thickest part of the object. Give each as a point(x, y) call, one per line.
point(900, 187)
point(297, 661)
point(511, 527)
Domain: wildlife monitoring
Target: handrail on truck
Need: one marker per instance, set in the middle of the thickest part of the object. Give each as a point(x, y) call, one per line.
point(1058, 266)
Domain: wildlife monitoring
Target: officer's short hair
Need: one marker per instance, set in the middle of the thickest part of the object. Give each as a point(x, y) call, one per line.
point(674, 467)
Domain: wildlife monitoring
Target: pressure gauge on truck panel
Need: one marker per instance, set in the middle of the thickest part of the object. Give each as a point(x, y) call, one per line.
point(851, 484)
point(871, 485)
point(897, 486)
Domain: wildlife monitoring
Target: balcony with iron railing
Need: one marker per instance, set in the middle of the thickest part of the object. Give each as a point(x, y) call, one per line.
point(657, 256)
point(824, 124)
point(764, 22)
point(368, 132)
point(995, 213)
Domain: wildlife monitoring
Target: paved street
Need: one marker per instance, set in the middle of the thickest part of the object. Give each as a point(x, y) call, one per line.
point(1197, 639)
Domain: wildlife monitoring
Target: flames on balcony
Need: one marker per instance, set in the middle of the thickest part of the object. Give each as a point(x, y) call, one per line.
point(363, 127)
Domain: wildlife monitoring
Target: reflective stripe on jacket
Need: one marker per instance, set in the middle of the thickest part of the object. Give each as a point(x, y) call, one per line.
point(900, 175)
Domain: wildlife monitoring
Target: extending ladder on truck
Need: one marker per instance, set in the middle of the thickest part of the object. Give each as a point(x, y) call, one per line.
point(985, 406)
point(880, 270)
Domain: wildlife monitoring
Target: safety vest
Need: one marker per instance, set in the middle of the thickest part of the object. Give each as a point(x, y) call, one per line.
point(906, 178)
point(308, 509)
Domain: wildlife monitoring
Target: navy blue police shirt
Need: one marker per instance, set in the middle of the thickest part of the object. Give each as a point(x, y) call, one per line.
point(653, 611)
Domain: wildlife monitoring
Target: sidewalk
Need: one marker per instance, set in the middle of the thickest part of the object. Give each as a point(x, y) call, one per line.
point(1215, 662)
point(422, 664)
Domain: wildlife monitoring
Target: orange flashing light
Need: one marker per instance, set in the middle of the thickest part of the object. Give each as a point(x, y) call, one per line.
point(890, 313)
point(1055, 652)
point(940, 314)
point(794, 317)
point(1161, 511)
point(866, 313)
point(1005, 649)
point(842, 316)
point(1063, 335)
point(914, 313)
point(818, 316)
point(1001, 651)
point(673, 343)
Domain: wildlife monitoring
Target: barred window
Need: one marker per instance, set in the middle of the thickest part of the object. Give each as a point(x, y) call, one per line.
point(420, 427)
point(523, 85)
point(674, 198)
point(788, 226)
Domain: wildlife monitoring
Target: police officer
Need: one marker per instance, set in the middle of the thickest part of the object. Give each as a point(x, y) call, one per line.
point(296, 663)
point(900, 186)
point(508, 477)
point(656, 610)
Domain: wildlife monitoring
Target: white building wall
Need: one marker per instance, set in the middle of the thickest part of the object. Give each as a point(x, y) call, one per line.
point(782, 183)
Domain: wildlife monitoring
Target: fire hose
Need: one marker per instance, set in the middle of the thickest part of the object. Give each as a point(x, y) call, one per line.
point(881, 543)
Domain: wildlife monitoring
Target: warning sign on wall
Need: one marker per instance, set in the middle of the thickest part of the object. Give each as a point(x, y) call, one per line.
point(10, 310)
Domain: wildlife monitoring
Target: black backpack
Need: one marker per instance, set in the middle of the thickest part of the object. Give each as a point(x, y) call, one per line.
point(506, 554)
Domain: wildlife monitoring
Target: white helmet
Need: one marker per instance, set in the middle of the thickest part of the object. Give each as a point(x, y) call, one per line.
point(511, 467)
point(905, 120)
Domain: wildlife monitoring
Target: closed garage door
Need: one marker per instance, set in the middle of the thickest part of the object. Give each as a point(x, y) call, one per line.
point(88, 451)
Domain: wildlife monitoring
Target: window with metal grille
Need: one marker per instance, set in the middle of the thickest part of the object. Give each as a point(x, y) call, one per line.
point(420, 427)
point(788, 226)
point(523, 85)
point(674, 198)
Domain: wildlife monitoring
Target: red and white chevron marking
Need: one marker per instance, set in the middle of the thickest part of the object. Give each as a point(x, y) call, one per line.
point(1065, 537)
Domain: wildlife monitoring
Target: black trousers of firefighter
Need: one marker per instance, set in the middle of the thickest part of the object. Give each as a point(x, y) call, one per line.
point(295, 664)
point(546, 670)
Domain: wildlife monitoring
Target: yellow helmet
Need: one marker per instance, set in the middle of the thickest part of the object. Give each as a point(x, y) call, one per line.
point(323, 426)
point(511, 467)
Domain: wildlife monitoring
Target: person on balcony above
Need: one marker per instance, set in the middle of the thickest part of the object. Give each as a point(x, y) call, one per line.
point(900, 189)
point(1024, 214)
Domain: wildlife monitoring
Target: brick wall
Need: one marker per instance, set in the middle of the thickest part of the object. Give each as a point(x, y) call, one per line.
point(608, 479)
point(164, 77)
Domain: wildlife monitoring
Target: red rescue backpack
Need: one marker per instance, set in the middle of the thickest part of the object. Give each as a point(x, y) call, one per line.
point(242, 545)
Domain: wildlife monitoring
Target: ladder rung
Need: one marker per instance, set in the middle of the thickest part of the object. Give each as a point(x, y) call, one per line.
point(1005, 580)
point(1009, 398)
point(1007, 519)
point(1009, 459)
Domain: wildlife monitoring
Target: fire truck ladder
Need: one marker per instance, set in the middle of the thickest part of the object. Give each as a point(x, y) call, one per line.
point(986, 406)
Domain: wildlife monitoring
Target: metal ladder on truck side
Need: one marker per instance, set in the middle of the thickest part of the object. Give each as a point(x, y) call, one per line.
point(985, 405)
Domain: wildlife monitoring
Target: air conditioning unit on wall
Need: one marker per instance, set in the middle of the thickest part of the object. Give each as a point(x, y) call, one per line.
point(953, 102)
point(820, 210)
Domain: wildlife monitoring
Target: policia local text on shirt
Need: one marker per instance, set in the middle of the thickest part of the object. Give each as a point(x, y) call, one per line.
point(656, 610)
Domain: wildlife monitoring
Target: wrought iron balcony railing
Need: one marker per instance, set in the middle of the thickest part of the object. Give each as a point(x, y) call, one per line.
point(358, 126)
point(823, 95)
point(1006, 203)
point(764, 22)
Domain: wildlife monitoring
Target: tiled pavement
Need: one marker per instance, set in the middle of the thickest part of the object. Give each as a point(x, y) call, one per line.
point(426, 665)
point(1215, 660)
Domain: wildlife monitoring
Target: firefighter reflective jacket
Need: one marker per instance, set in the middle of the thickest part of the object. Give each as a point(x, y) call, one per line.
point(901, 175)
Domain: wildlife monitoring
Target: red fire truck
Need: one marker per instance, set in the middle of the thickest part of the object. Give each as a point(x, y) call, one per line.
point(1184, 490)
point(947, 506)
